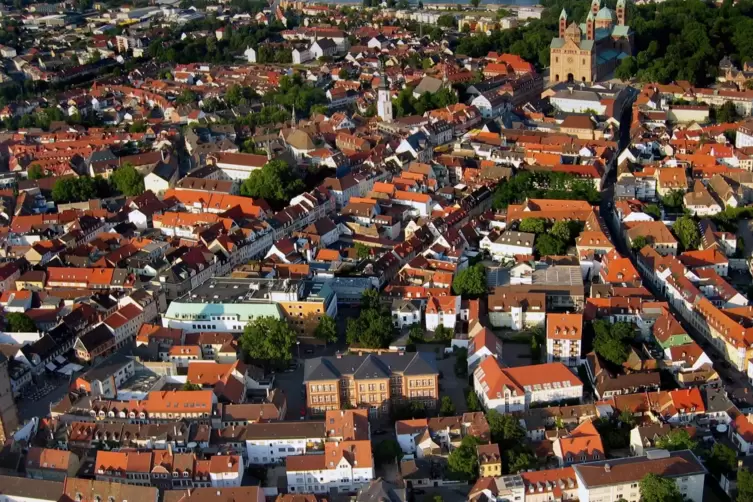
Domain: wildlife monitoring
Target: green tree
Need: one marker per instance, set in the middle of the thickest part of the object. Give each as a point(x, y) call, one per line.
point(726, 113)
point(463, 460)
point(744, 485)
point(191, 386)
point(686, 230)
point(653, 211)
point(447, 21)
point(78, 189)
point(269, 341)
point(722, 460)
point(387, 451)
point(673, 199)
point(16, 322)
point(562, 231)
point(627, 419)
point(612, 340)
point(274, 182)
point(416, 334)
point(639, 243)
point(475, 3)
point(627, 69)
point(370, 299)
point(472, 401)
point(342, 74)
point(505, 430)
point(658, 489)
point(371, 329)
point(677, 439)
point(187, 97)
point(35, 172)
point(362, 251)
point(443, 334)
point(446, 408)
point(127, 180)
point(533, 225)
point(547, 245)
point(518, 461)
point(471, 282)
point(326, 330)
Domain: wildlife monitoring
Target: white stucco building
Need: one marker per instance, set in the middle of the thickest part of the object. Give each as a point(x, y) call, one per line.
point(509, 244)
point(514, 389)
point(346, 466)
point(271, 442)
point(619, 479)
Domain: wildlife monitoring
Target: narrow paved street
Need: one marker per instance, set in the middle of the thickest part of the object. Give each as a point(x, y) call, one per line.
point(729, 374)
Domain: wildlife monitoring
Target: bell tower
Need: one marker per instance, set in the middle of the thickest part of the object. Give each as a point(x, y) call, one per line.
point(590, 31)
point(563, 23)
point(595, 6)
point(621, 12)
point(384, 99)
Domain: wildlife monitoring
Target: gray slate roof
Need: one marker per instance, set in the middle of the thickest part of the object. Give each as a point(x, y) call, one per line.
point(370, 366)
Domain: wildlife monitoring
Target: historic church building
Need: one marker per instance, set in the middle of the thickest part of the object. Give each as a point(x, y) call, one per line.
point(590, 51)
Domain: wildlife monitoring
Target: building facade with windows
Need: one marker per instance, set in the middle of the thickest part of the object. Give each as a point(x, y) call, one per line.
point(372, 381)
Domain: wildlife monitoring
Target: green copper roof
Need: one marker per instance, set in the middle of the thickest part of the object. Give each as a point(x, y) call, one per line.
point(203, 311)
point(620, 31)
point(605, 14)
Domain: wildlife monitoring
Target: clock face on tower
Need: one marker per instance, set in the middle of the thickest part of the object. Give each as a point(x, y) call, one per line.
point(570, 60)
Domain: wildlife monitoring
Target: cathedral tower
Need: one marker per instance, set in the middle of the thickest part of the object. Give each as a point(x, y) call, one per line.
point(621, 12)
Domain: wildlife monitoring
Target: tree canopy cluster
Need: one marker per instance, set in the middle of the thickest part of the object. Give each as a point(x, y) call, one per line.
point(744, 485)
point(326, 330)
point(234, 41)
point(406, 104)
point(544, 185)
point(552, 239)
point(463, 460)
point(613, 340)
point(80, 189)
point(685, 39)
point(373, 327)
point(507, 432)
point(655, 488)
point(269, 341)
point(728, 219)
point(687, 233)
point(275, 182)
point(127, 180)
point(17, 322)
point(470, 282)
point(294, 92)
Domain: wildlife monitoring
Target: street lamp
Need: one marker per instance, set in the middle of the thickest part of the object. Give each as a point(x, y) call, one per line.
point(298, 343)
